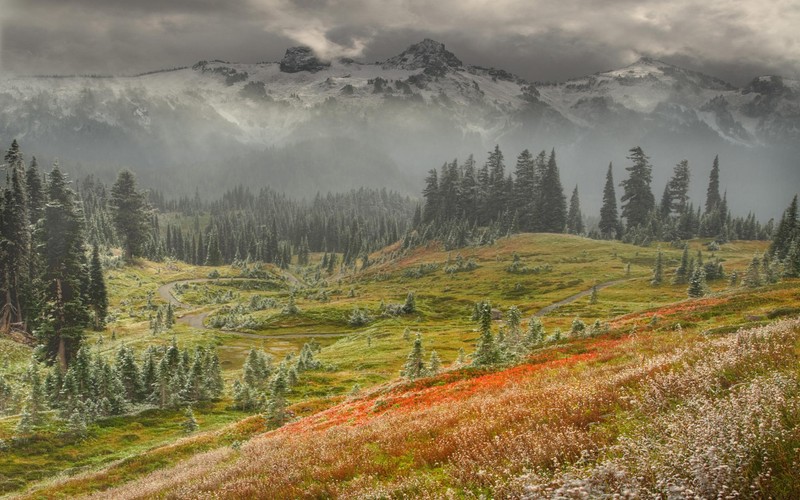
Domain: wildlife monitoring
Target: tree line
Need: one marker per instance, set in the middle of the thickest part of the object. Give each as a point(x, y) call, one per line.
point(467, 204)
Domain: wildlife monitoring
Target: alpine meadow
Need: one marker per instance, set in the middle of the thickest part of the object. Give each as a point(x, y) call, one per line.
point(375, 266)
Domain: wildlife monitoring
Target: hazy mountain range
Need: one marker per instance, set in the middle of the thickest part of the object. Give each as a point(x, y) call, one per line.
point(303, 125)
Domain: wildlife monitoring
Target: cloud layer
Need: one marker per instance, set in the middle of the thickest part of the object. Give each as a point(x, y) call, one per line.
point(538, 39)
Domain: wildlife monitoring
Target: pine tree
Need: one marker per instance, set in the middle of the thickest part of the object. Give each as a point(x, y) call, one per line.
point(496, 193)
point(35, 402)
point(551, 208)
point(658, 270)
point(609, 218)
point(65, 278)
point(434, 364)
point(638, 200)
point(415, 361)
point(679, 188)
point(276, 406)
point(130, 215)
point(486, 352)
point(575, 218)
point(129, 374)
point(593, 297)
point(524, 188)
point(683, 271)
point(536, 332)
point(787, 232)
point(432, 197)
point(97, 290)
point(189, 423)
point(697, 283)
point(713, 198)
point(752, 277)
point(410, 304)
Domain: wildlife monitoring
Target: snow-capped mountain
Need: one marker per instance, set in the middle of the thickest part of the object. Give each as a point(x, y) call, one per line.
point(408, 113)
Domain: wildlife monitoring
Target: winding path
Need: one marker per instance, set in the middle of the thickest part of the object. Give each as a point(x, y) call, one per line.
point(573, 298)
point(197, 319)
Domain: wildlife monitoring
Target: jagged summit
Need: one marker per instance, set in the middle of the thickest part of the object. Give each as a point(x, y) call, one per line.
point(428, 55)
point(301, 58)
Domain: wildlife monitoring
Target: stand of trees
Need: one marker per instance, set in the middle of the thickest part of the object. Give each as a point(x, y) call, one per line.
point(465, 204)
point(49, 289)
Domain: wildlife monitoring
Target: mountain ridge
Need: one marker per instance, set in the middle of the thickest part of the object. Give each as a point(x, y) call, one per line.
point(418, 108)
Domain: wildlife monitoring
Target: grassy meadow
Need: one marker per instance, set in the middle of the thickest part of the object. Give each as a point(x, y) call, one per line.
point(562, 422)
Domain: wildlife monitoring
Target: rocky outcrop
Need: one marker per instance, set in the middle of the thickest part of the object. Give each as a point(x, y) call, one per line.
point(299, 59)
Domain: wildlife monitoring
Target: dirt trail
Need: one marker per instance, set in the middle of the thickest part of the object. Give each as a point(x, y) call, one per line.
point(196, 319)
point(573, 298)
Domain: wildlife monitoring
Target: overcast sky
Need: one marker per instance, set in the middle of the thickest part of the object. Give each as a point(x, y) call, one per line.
point(537, 39)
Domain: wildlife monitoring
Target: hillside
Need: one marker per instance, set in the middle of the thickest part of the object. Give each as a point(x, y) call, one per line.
point(645, 364)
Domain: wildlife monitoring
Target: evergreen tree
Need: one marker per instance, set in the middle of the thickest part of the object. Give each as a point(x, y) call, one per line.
point(536, 332)
point(415, 361)
point(697, 283)
point(15, 286)
point(486, 353)
point(276, 406)
point(189, 423)
point(752, 277)
point(787, 232)
point(130, 215)
point(658, 270)
point(609, 218)
point(435, 363)
point(575, 218)
point(97, 290)
point(679, 188)
point(682, 272)
point(524, 189)
point(638, 200)
point(713, 198)
point(35, 402)
point(432, 197)
point(496, 191)
point(129, 374)
point(551, 203)
point(65, 277)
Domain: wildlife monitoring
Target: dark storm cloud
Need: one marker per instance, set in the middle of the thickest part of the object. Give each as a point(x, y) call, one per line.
point(538, 39)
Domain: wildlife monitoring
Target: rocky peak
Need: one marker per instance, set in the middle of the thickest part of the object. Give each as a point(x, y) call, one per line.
point(428, 55)
point(301, 58)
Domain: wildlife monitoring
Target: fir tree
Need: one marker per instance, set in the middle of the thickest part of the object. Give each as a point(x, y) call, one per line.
point(551, 208)
point(638, 200)
point(276, 405)
point(683, 271)
point(434, 364)
point(697, 283)
point(97, 290)
point(713, 198)
point(679, 188)
point(189, 423)
point(787, 232)
point(752, 277)
point(130, 215)
point(658, 270)
point(575, 218)
point(609, 218)
point(524, 189)
point(486, 352)
point(415, 361)
point(65, 278)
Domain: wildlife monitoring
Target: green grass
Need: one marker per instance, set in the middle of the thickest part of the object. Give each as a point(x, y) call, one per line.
point(374, 353)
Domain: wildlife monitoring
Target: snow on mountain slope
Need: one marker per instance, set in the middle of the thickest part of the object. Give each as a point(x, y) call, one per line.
point(411, 112)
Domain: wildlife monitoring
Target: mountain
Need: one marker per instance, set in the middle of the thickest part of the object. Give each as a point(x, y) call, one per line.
point(386, 122)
